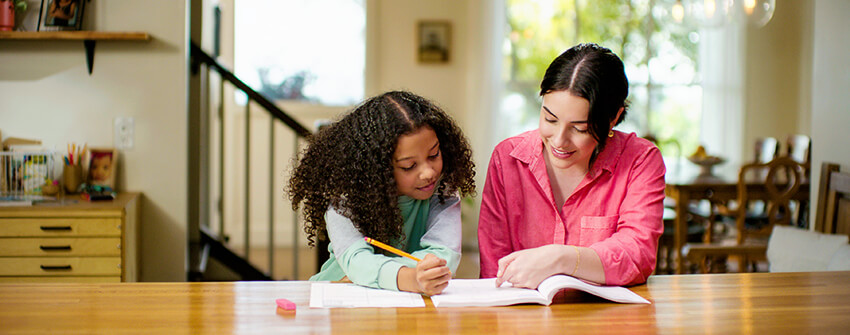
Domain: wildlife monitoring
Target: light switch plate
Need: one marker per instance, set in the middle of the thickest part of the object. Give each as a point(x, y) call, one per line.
point(125, 131)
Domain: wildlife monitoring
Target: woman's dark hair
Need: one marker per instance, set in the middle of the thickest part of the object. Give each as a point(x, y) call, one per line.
point(596, 74)
point(348, 165)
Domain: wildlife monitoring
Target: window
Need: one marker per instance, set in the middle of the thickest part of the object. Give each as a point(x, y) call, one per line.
point(308, 50)
point(660, 57)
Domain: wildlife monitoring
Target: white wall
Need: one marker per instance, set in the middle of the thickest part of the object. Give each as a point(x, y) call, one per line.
point(451, 85)
point(777, 83)
point(830, 86)
point(47, 94)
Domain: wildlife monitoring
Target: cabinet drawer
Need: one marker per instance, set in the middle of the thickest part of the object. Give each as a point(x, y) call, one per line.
point(45, 227)
point(60, 266)
point(60, 247)
point(93, 279)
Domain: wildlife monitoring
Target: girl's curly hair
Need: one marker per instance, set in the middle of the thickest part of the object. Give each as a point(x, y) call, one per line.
point(348, 165)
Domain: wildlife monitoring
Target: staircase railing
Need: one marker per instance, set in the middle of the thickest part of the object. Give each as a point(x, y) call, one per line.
point(214, 244)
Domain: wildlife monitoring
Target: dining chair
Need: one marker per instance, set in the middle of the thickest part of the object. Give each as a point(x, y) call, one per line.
point(826, 248)
point(767, 149)
point(792, 249)
point(783, 179)
point(799, 148)
point(833, 212)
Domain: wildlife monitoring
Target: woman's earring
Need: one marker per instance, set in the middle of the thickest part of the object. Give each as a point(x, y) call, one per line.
point(610, 133)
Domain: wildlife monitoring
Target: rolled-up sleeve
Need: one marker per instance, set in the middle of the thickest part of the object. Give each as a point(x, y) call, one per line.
point(628, 256)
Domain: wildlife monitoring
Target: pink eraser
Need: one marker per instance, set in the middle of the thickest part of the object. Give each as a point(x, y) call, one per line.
point(285, 304)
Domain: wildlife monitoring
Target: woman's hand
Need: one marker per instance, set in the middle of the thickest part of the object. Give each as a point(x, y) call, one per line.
point(527, 268)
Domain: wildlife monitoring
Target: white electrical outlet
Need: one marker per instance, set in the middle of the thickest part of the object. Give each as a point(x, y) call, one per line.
point(124, 132)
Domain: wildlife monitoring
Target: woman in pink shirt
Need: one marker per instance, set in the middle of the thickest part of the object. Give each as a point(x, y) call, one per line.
point(574, 196)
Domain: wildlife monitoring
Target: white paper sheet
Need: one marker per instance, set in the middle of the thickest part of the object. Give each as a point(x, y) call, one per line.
point(338, 295)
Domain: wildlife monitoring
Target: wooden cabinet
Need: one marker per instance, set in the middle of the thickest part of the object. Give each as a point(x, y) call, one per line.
point(70, 241)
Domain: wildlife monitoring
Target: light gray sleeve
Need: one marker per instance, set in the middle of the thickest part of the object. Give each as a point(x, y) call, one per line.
point(443, 233)
point(341, 231)
point(444, 224)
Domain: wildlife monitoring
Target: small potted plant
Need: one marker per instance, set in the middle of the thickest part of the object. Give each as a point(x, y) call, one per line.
point(7, 13)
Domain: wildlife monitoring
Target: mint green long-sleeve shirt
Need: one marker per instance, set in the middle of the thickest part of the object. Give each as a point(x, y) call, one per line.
point(429, 228)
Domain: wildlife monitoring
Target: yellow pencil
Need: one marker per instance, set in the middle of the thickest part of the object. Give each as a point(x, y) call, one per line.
point(390, 249)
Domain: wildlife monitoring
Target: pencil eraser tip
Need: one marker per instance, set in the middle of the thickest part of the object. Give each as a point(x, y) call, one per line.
point(285, 304)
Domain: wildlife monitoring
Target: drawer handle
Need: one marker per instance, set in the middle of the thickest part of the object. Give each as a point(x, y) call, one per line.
point(56, 267)
point(56, 228)
point(55, 247)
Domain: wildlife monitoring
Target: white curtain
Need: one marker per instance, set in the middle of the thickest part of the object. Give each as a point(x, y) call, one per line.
point(722, 59)
point(484, 83)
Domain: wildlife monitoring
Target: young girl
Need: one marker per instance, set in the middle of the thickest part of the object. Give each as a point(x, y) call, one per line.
point(392, 170)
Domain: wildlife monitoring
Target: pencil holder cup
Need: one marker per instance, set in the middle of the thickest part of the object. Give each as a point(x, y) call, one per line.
point(72, 176)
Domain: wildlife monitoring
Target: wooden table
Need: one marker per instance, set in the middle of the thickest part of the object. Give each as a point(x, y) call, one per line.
point(720, 188)
point(761, 303)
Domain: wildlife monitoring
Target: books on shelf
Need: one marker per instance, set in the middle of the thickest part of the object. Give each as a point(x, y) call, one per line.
point(483, 292)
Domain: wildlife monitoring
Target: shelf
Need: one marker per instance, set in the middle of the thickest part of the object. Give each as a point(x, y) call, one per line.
point(88, 37)
point(75, 35)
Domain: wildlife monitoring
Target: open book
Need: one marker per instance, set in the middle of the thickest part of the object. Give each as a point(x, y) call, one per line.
point(483, 292)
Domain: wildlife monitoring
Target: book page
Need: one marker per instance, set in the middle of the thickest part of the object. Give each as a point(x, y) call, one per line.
point(330, 295)
point(483, 292)
point(550, 286)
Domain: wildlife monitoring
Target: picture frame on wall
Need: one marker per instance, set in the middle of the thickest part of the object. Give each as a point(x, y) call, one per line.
point(434, 41)
point(61, 14)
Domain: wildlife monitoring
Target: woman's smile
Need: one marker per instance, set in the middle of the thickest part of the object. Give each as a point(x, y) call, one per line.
point(561, 154)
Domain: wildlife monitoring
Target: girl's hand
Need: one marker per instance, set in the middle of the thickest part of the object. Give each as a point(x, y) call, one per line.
point(527, 268)
point(432, 275)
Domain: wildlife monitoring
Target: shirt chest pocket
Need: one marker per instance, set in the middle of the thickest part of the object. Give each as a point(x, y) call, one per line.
point(597, 228)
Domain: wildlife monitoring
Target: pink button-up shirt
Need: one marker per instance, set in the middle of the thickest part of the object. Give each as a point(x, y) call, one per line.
point(615, 210)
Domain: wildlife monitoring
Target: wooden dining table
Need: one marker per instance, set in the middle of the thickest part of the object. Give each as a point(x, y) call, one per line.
point(758, 303)
point(685, 186)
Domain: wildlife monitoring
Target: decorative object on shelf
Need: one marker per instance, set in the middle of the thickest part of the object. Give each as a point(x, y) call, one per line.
point(705, 161)
point(97, 193)
point(61, 14)
point(8, 8)
point(434, 41)
point(24, 170)
point(716, 13)
point(101, 167)
point(50, 188)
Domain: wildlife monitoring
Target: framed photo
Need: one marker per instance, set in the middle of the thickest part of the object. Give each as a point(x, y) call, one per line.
point(434, 41)
point(101, 167)
point(61, 14)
